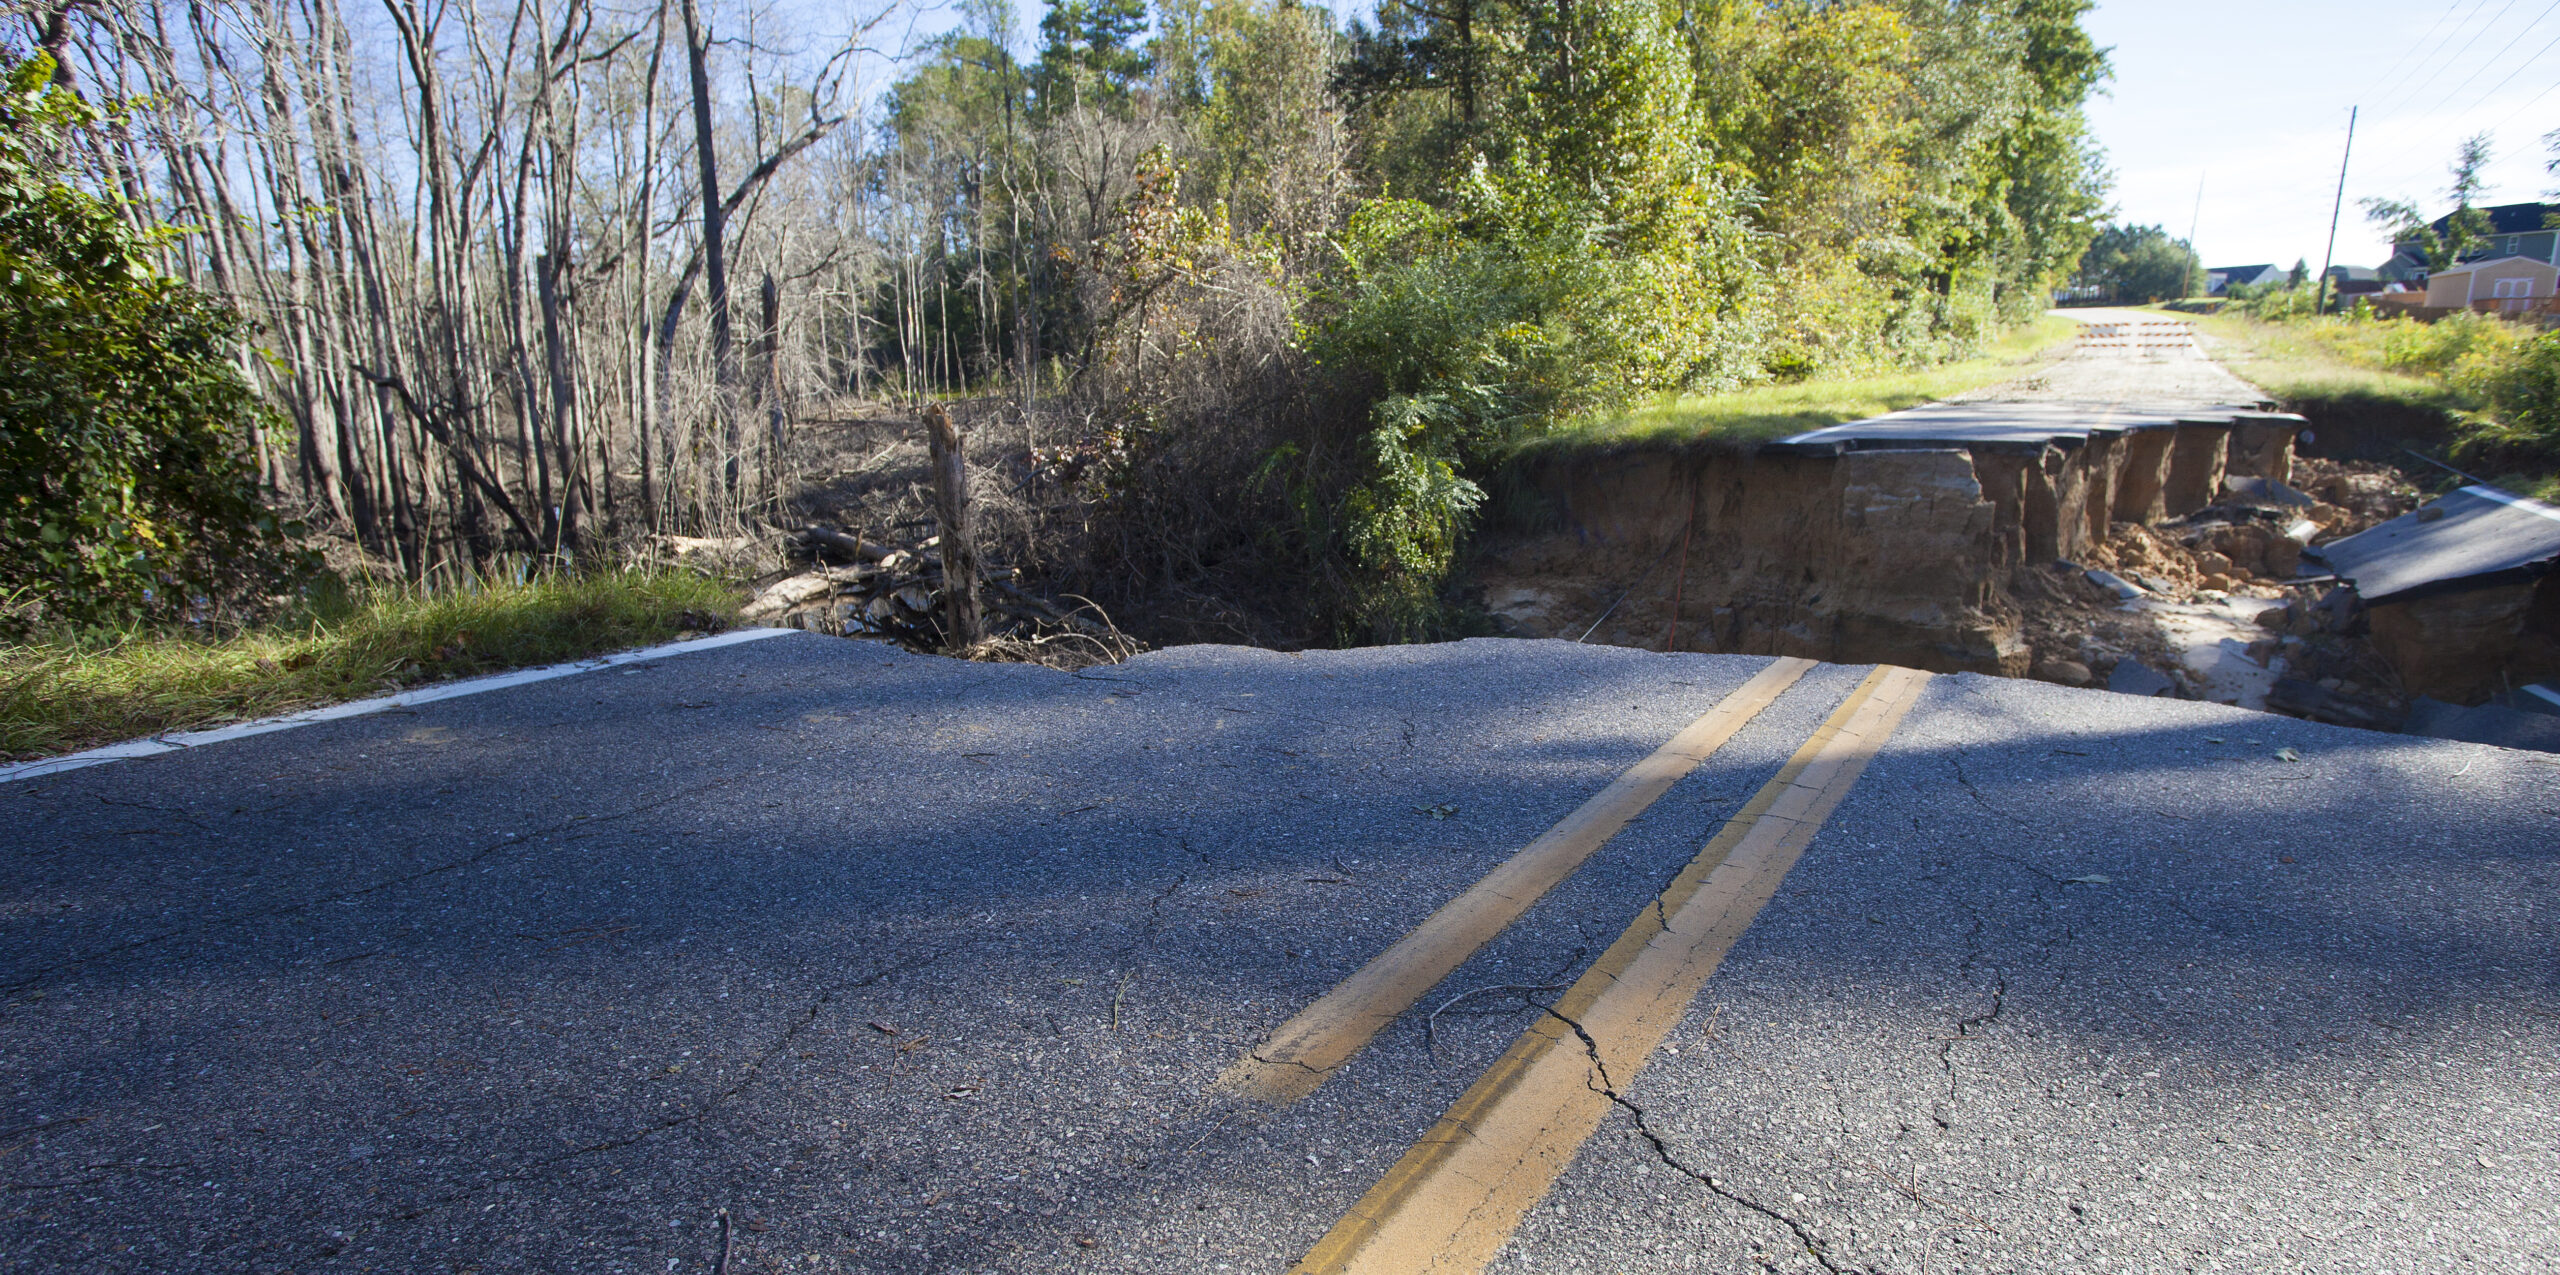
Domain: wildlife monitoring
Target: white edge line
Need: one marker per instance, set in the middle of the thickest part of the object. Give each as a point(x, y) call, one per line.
point(2525, 503)
point(177, 740)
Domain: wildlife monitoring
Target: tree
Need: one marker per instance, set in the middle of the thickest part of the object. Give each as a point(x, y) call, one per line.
point(2466, 228)
point(2551, 143)
point(128, 436)
point(2138, 263)
point(1089, 54)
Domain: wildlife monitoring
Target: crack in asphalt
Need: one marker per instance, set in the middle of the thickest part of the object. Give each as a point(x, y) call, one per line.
point(1155, 913)
point(1965, 1027)
point(1813, 1244)
point(1956, 762)
point(752, 1072)
point(105, 800)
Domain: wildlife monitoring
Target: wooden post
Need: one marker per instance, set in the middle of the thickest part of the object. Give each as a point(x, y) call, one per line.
point(959, 547)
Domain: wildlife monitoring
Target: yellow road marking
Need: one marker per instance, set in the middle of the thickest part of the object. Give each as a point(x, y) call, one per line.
point(1454, 1199)
point(1306, 1049)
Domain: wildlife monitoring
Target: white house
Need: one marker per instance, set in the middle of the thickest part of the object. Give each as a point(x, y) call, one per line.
point(2221, 279)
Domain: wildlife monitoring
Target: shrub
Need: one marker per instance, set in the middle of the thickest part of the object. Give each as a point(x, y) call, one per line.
point(1519, 309)
point(2273, 302)
point(2517, 384)
point(127, 491)
point(2433, 349)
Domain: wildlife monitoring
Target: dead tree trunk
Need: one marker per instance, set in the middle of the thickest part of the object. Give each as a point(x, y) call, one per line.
point(959, 547)
point(769, 353)
point(715, 260)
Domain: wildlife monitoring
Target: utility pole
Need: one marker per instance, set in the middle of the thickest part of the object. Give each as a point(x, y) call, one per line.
point(2195, 260)
point(2320, 299)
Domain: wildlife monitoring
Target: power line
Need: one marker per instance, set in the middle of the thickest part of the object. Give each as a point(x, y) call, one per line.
point(2390, 74)
point(2554, 87)
point(2475, 39)
point(2484, 99)
point(2411, 90)
point(2430, 55)
point(2511, 75)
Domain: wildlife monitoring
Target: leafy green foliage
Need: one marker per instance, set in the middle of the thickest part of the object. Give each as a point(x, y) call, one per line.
point(1477, 223)
point(2517, 428)
point(2139, 263)
point(2492, 386)
point(1585, 261)
point(2435, 349)
point(2275, 301)
point(2466, 227)
point(1089, 53)
point(127, 489)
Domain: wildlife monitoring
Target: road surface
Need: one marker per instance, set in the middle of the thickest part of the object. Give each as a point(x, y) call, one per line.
point(915, 965)
point(2128, 369)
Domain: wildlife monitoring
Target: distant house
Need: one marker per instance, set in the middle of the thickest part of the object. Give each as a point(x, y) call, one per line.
point(2405, 267)
point(2498, 283)
point(2221, 279)
point(2350, 281)
point(2518, 230)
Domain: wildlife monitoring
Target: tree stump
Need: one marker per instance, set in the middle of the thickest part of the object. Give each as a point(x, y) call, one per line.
point(961, 619)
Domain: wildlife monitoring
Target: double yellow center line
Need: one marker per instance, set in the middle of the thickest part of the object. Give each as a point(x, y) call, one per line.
point(1304, 1051)
point(1456, 1197)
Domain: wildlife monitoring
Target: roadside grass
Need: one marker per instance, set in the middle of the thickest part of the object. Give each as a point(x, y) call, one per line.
point(2323, 361)
point(2387, 387)
point(1763, 413)
point(346, 643)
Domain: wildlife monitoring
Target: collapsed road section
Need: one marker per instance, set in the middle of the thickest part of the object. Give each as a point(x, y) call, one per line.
point(1901, 538)
point(2131, 517)
point(2460, 597)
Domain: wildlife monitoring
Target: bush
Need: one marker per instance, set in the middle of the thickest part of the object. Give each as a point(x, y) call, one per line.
point(127, 490)
point(2273, 302)
point(1520, 309)
point(2517, 384)
point(2434, 349)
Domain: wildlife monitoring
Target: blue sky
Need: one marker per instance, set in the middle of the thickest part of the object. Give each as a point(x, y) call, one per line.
point(2251, 98)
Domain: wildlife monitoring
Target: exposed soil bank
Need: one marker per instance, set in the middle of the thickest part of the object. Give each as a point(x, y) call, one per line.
point(1917, 555)
point(2467, 646)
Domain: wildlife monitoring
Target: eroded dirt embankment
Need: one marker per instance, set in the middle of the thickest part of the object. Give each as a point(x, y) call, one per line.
point(1932, 556)
point(1862, 557)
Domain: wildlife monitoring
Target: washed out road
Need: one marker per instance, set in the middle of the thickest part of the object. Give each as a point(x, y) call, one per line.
point(908, 964)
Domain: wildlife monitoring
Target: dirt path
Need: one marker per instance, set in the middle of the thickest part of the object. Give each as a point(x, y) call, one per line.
point(2130, 357)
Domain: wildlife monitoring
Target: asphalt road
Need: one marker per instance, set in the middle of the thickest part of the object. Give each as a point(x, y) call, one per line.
point(2130, 369)
point(915, 965)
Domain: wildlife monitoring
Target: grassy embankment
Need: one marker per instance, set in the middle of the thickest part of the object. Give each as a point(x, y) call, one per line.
point(376, 638)
point(2374, 388)
point(1762, 413)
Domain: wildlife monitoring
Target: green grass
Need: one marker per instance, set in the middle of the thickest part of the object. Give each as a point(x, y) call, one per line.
point(64, 695)
point(2382, 386)
point(1765, 412)
point(2323, 362)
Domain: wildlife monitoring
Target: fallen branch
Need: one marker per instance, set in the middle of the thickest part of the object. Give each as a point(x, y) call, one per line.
point(903, 593)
